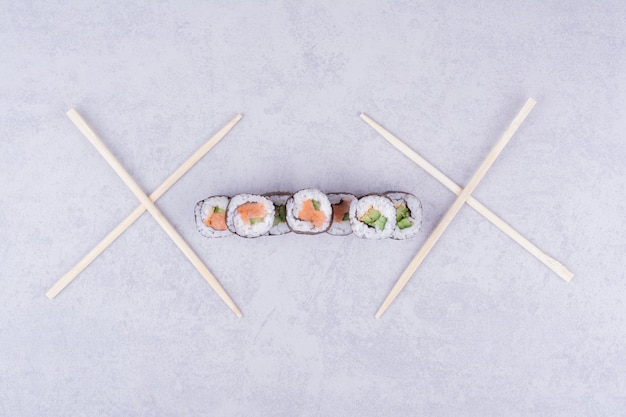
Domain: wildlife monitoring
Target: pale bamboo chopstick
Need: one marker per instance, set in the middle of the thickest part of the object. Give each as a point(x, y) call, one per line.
point(456, 206)
point(66, 279)
point(152, 208)
point(550, 262)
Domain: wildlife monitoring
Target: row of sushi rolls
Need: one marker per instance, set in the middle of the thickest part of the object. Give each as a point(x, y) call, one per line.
point(396, 215)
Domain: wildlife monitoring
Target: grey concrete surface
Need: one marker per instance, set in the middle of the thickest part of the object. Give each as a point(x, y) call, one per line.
point(482, 329)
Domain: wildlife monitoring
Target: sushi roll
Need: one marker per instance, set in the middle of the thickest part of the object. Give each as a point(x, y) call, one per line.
point(210, 216)
point(249, 215)
point(340, 204)
point(408, 214)
point(372, 217)
point(309, 212)
point(280, 226)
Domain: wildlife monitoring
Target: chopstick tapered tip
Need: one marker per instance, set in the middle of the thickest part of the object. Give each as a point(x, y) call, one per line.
point(566, 274)
point(381, 310)
point(558, 268)
point(530, 103)
point(236, 310)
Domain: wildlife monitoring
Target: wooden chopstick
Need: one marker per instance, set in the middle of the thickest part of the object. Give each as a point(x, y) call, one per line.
point(456, 206)
point(66, 279)
point(550, 262)
point(152, 208)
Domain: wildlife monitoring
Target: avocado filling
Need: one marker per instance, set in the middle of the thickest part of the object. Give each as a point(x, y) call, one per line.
point(255, 220)
point(380, 223)
point(218, 210)
point(403, 217)
point(373, 218)
point(281, 214)
point(345, 217)
point(404, 223)
point(316, 204)
point(370, 216)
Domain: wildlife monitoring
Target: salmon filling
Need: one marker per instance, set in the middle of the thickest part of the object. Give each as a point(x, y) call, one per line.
point(310, 212)
point(251, 213)
point(217, 219)
point(340, 211)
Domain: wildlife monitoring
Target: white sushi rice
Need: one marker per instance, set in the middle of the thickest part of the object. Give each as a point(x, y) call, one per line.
point(415, 207)
point(205, 208)
point(235, 223)
point(341, 228)
point(362, 206)
point(385, 204)
point(279, 199)
point(294, 206)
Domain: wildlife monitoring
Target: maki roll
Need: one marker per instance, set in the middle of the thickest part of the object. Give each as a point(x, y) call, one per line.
point(340, 204)
point(408, 214)
point(210, 216)
point(249, 215)
point(372, 217)
point(280, 226)
point(309, 212)
point(395, 214)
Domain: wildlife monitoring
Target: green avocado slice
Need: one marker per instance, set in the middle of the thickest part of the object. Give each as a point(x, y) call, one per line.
point(255, 220)
point(402, 212)
point(281, 214)
point(316, 204)
point(404, 223)
point(218, 210)
point(380, 222)
point(371, 216)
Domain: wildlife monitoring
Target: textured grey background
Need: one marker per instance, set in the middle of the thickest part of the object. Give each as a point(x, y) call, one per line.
point(482, 329)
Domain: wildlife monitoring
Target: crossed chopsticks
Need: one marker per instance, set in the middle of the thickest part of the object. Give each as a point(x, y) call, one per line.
point(463, 196)
point(147, 203)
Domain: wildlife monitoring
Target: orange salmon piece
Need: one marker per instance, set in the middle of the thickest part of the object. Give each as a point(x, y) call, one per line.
point(216, 220)
point(340, 209)
point(309, 214)
point(251, 210)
